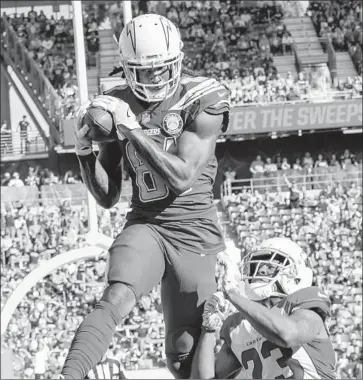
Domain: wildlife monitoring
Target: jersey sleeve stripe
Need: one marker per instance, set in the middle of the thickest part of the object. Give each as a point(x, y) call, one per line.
point(221, 104)
point(193, 92)
point(216, 87)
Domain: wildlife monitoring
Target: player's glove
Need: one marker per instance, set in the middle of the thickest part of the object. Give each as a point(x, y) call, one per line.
point(123, 117)
point(83, 144)
point(215, 311)
point(231, 275)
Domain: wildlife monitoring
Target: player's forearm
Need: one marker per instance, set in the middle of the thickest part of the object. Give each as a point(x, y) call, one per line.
point(104, 190)
point(204, 358)
point(274, 327)
point(172, 169)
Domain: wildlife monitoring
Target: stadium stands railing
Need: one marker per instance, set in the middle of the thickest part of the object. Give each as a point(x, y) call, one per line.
point(316, 179)
point(44, 94)
point(14, 145)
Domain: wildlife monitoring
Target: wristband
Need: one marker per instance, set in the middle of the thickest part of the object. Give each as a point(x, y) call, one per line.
point(208, 329)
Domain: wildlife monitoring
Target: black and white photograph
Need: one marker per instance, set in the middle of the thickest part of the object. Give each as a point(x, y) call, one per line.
point(181, 189)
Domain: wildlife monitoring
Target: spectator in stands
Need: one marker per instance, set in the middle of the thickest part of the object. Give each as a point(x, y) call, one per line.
point(287, 42)
point(320, 162)
point(270, 171)
point(230, 174)
point(6, 179)
point(93, 47)
point(334, 162)
point(6, 138)
point(308, 164)
point(32, 179)
point(5, 128)
point(285, 164)
point(257, 167)
point(16, 181)
point(297, 166)
point(295, 195)
point(23, 128)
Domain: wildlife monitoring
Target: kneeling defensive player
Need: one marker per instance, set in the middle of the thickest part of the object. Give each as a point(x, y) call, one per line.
point(280, 328)
point(168, 123)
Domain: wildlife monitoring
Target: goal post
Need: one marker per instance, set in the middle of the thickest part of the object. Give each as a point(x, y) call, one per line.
point(127, 11)
point(83, 92)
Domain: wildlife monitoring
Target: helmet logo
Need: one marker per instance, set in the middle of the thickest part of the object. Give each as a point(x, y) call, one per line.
point(130, 31)
point(166, 29)
point(173, 124)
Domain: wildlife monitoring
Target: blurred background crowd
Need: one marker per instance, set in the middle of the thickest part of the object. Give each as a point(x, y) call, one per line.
point(323, 217)
point(314, 198)
point(235, 44)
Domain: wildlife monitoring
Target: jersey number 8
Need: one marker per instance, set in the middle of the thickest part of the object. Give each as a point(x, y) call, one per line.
point(151, 186)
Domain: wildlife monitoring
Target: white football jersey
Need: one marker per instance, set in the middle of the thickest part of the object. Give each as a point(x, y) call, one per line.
point(261, 359)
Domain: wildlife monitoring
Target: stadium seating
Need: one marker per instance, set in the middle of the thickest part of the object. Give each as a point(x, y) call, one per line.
point(32, 234)
point(234, 44)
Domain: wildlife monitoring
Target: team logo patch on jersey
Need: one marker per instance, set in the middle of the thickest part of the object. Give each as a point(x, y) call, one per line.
point(173, 124)
point(144, 118)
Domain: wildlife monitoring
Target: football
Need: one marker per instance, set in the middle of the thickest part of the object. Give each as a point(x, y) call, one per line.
point(101, 125)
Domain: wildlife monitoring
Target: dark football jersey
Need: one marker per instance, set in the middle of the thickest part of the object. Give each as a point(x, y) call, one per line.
point(262, 359)
point(164, 122)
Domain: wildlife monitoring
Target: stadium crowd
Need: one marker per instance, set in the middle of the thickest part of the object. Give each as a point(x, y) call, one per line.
point(342, 21)
point(235, 44)
point(275, 172)
point(38, 176)
point(32, 235)
point(50, 42)
point(327, 222)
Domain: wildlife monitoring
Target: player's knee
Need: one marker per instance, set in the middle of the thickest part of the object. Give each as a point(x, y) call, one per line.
point(180, 365)
point(121, 296)
point(180, 349)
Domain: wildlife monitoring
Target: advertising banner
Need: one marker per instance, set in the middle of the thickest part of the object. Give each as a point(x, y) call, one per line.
point(293, 117)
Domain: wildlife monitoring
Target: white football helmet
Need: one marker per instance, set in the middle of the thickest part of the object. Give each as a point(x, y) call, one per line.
point(291, 269)
point(151, 41)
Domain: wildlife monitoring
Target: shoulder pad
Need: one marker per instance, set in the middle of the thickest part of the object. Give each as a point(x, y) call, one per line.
point(308, 298)
point(229, 325)
point(201, 94)
point(117, 91)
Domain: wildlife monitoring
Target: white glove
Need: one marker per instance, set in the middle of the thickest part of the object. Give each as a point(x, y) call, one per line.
point(231, 275)
point(123, 117)
point(83, 144)
point(215, 312)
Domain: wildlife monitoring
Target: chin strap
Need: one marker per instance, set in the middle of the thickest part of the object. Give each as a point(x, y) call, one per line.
point(258, 291)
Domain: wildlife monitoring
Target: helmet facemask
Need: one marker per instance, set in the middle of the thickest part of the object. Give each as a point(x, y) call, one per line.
point(146, 91)
point(260, 286)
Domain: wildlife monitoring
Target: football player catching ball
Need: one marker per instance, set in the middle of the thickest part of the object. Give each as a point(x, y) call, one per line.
point(280, 329)
point(167, 123)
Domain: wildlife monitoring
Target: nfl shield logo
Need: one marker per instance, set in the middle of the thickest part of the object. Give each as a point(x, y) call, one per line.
point(144, 118)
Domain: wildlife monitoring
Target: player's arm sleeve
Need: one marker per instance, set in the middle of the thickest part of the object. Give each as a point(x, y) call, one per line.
point(226, 363)
point(312, 298)
point(102, 174)
point(210, 97)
